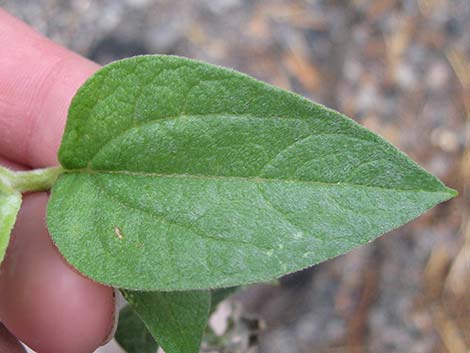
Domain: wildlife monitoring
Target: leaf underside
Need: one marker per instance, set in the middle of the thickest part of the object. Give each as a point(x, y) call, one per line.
point(10, 202)
point(183, 175)
point(176, 320)
point(134, 337)
point(132, 334)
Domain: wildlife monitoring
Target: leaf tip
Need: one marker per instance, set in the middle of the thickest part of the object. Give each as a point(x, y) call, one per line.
point(451, 192)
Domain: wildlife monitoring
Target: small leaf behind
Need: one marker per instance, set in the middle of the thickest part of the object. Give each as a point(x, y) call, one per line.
point(132, 334)
point(176, 320)
point(10, 203)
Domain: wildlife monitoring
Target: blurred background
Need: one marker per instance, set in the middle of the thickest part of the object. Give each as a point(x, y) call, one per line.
point(399, 67)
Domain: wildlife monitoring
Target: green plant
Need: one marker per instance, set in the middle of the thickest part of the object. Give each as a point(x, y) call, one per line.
point(178, 177)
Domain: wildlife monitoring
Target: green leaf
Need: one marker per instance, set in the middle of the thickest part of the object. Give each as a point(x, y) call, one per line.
point(183, 175)
point(132, 335)
point(176, 320)
point(10, 203)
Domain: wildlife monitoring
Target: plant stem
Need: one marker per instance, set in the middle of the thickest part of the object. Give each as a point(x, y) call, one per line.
point(31, 180)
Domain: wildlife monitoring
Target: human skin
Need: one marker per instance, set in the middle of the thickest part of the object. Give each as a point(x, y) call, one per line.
point(8, 343)
point(43, 301)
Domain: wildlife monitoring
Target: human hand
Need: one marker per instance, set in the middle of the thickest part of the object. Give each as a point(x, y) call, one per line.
point(43, 301)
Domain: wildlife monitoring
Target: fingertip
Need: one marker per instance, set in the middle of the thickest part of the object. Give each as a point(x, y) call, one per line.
point(38, 79)
point(43, 301)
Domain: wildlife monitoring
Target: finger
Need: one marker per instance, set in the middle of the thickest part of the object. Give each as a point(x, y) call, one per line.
point(4, 162)
point(43, 301)
point(8, 343)
point(38, 79)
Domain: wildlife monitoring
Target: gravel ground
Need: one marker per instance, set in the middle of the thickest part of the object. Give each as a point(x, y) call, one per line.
point(399, 67)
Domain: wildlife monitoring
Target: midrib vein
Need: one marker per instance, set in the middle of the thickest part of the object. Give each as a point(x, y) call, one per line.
point(250, 179)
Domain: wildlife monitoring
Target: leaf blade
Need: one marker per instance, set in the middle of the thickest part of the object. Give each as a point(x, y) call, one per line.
point(185, 158)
